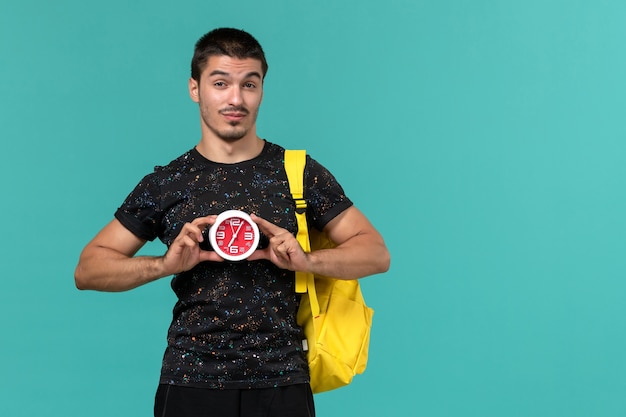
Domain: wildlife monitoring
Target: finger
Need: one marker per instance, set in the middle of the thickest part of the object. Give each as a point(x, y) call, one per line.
point(188, 241)
point(204, 221)
point(189, 237)
point(269, 229)
point(201, 224)
point(210, 256)
point(260, 254)
point(195, 228)
point(281, 250)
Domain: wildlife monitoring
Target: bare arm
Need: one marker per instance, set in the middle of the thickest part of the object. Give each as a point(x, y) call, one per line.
point(360, 251)
point(108, 262)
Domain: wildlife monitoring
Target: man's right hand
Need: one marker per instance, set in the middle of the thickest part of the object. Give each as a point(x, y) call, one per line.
point(184, 253)
point(108, 262)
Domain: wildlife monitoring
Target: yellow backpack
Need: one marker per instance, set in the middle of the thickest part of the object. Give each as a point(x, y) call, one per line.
point(332, 313)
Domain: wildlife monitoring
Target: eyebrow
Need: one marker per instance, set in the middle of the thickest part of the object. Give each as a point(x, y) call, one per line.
point(248, 75)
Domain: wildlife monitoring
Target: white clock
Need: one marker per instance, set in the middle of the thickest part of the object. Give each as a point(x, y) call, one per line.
point(234, 236)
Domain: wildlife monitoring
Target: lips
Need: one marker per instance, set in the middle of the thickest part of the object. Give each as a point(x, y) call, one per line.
point(234, 115)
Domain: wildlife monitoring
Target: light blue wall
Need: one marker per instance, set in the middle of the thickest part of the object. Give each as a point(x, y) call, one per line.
point(485, 139)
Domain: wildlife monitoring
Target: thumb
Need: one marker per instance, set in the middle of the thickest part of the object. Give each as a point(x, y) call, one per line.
point(260, 254)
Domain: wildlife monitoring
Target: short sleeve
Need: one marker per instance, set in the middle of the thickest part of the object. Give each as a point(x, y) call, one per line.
point(325, 197)
point(141, 211)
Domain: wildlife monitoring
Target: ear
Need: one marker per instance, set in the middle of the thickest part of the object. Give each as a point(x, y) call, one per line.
point(194, 90)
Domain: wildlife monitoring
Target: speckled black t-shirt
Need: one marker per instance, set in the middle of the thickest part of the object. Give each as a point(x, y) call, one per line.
point(234, 323)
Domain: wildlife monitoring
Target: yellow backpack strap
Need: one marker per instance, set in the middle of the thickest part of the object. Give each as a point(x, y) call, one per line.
point(295, 161)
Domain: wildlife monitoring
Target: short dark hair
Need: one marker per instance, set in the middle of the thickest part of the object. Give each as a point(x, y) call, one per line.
point(234, 43)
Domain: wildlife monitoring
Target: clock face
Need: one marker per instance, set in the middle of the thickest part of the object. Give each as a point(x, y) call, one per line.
point(234, 236)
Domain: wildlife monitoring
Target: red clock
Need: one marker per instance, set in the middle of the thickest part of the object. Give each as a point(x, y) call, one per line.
point(234, 236)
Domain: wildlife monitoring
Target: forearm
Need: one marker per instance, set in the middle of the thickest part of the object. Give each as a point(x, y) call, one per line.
point(360, 256)
point(361, 250)
point(108, 262)
point(103, 269)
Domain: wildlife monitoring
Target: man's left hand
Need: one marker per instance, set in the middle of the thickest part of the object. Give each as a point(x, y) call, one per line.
point(283, 250)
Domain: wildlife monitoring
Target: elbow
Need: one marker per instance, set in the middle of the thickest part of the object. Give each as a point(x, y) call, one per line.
point(385, 262)
point(380, 263)
point(80, 280)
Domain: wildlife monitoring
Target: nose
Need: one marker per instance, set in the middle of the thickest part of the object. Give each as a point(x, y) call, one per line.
point(235, 97)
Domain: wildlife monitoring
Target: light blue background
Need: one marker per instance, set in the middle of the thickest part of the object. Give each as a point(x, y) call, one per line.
point(485, 139)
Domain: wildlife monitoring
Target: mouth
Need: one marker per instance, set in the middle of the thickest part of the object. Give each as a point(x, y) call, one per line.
point(234, 115)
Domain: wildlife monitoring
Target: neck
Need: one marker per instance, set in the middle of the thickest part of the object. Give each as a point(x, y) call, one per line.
point(230, 152)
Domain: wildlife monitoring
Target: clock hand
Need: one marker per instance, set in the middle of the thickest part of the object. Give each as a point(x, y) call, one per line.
point(235, 234)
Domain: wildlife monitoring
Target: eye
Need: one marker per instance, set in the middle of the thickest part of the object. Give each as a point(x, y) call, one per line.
point(219, 84)
point(249, 85)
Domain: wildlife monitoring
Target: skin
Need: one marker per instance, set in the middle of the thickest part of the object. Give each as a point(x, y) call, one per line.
point(229, 94)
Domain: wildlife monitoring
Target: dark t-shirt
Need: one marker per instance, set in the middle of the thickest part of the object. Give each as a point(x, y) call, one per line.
point(234, 323)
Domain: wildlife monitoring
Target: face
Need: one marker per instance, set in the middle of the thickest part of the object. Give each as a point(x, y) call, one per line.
point(229, 94)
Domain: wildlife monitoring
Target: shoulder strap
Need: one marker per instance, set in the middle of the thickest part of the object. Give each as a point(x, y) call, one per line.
point(295, 161)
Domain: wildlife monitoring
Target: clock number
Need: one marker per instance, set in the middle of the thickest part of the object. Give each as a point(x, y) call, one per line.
point(248, 236)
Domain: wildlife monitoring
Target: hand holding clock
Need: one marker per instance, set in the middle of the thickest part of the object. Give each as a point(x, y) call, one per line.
point(283, 250)
point(234, 236)
point(184, 253)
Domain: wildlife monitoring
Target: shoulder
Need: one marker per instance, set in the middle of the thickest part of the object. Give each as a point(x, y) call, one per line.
point(189, 163)
point(185, 162)
point(317, 173)
point(273, 152)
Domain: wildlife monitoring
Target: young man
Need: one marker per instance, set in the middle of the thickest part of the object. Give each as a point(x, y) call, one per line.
point(234, 348)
